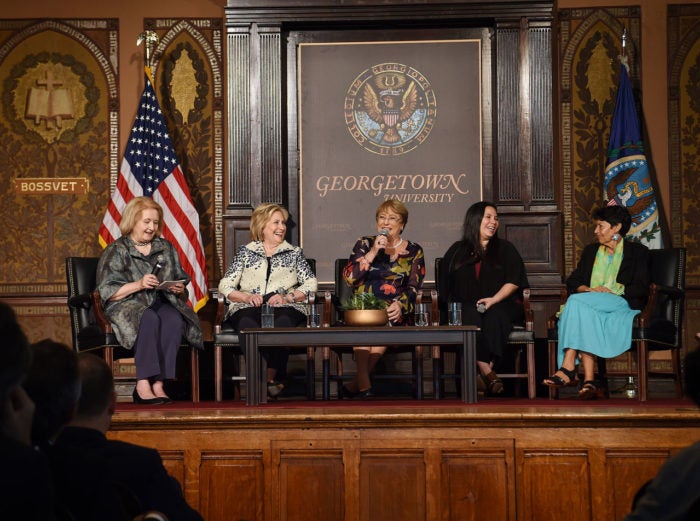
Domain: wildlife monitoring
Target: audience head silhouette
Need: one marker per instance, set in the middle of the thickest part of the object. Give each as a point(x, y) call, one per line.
point(53, 383)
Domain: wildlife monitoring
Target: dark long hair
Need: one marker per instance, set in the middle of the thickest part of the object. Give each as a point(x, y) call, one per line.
point(471, 250)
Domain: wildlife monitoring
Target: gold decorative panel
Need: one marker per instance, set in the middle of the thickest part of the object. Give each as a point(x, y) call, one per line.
point(590, 43)
point(59, 143)
point(188, 75)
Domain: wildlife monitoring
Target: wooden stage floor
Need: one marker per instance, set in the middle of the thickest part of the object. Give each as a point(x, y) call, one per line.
point(427, 460)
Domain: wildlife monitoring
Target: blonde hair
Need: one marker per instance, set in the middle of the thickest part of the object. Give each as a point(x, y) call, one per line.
point(132, 212)
point(261, 215)
point(396, 206)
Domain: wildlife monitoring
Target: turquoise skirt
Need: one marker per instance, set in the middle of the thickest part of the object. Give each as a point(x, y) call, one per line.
point(596, 323)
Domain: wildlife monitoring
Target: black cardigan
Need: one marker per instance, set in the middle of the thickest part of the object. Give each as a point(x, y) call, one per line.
point(633, 273)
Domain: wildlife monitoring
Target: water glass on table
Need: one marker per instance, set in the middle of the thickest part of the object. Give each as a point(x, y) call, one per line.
point(454, 313)
point(422, 316)
point(313, 315)
point(267, 316)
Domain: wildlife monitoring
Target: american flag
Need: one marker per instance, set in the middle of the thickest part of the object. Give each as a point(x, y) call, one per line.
point(150, 168)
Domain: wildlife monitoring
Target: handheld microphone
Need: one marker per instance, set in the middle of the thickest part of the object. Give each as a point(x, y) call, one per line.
point(384, 232)
point(159, 265)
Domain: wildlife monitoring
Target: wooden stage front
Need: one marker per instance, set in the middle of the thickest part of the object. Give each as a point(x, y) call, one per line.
point(499, 459)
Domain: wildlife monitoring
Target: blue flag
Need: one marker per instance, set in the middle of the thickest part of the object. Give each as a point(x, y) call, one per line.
point(627, 177)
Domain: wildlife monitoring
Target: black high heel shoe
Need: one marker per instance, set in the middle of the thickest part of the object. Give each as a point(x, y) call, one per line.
point(346, 394)
point(146, 401)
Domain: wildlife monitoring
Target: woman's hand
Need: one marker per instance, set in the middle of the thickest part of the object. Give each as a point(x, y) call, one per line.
point(394, 311)
point(177, 289)
point(380, 242)
point(254, 299)
point(278, 299)
point(487, 302)
point(149, 281)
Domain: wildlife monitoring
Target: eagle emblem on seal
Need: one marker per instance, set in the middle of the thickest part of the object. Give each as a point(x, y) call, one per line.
point(390, 109)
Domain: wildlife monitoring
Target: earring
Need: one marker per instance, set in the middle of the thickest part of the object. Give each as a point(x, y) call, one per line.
point(616, 237)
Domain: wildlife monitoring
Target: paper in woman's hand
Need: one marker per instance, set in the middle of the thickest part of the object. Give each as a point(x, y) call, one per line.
point(167, 284)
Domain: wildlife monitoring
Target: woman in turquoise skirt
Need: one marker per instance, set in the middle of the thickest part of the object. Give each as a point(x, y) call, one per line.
point(607, 289)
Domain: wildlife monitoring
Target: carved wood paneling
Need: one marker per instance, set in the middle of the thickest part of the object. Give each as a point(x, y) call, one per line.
point(540, 109)
point(231, 486)
point(625, 472)
point(542, 496)
point(385, 462)
point(507, 108)
point(238, 193)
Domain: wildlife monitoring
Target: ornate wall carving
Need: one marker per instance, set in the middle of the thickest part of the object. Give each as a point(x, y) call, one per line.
point(590, 43)
point(59, 147)
point(188, 71)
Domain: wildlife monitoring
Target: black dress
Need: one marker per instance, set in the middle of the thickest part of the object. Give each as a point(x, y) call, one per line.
point(466, 278)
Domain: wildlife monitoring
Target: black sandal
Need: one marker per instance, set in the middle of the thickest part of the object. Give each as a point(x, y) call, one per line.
point(590, 391)
point(274, 388)
point(494, 385)
point(557, 381)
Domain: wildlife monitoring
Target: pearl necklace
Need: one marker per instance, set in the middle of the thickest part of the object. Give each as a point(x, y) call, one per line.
point(395, 246)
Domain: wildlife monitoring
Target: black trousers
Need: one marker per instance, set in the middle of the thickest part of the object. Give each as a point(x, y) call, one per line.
point(284, 317)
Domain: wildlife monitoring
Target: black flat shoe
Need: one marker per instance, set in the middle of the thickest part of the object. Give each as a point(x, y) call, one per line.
point(346, 394)
point(146, 401)
point(165, 400)
point(363, 395)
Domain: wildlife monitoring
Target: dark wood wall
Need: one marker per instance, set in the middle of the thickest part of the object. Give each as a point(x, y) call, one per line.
point(518, 138)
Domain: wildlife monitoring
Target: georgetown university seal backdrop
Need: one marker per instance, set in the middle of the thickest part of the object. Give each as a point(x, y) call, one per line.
point(387, 120)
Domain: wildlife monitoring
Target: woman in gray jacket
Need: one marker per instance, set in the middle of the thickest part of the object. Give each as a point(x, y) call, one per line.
point(147, 318)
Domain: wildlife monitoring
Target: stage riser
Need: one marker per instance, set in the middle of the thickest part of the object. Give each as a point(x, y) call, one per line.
point(514, 472)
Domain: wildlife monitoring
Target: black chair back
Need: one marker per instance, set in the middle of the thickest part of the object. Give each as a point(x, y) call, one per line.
point(667, 267)
point(80, 275)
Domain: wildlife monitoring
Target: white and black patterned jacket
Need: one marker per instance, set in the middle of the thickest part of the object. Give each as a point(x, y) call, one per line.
point(248, 272)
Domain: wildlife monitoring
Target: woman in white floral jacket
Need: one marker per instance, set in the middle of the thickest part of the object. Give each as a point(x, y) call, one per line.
point(268, 269)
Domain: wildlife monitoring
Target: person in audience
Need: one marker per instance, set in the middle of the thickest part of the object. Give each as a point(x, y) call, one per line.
point(391, 268)
point(608, 288)
point(487, 276)
point(674, 493)
point(26, 489)
point(149, 320)
point(83, 483)
point(268, 270)
point(139, 469)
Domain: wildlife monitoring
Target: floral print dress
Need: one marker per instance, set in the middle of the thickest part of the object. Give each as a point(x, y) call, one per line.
point(398, 279)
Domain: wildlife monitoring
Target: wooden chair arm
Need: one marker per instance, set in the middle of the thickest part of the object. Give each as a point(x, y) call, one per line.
point(554, 319)
point(220, 312)
point(83, 301)
point(102, 320)
point(655, 291)
point(527, 308)
point(435, 307)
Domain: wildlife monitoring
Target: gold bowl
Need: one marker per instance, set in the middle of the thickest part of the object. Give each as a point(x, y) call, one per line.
point(365, 317)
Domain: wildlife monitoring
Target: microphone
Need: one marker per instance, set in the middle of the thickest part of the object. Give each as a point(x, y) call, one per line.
point(159, 264)
point(384, 232)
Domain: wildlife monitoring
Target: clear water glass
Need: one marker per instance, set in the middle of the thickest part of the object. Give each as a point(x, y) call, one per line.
point(267, 316)
point(454, 313)
point(422, 316)
point(313, 315)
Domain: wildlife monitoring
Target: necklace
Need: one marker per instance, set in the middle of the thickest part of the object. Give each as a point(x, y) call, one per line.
point(137, 243)
point(395, 245)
